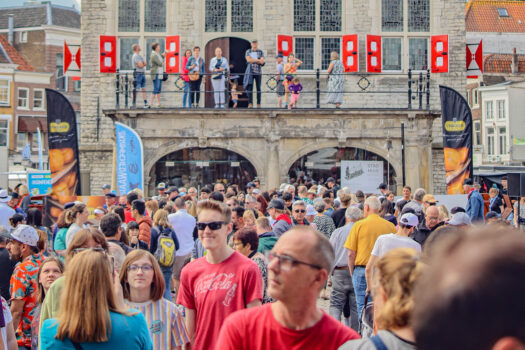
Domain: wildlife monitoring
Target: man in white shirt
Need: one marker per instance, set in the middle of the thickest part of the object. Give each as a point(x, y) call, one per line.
point(6, 212)
point(385, 243)
point(183, 224)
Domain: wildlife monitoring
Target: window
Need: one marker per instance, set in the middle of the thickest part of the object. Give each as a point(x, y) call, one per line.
point(149, 42)
point(21, 140)
point(327, 46)
point(216, 15)
point(4, 92)
point(392, 54)
point(502, 133)
point(418, 15)
point(475, 97)
point(23, 37)
point(126, 53)
point(38, 99)
point(418, 53)
point(502, 12)
point(60, 79)
point(490, 141)
point(304, 16)
point(392, 15)
point(304, 50)
point(501, 109)
point(23, 98)
point(128, 16)
point(477, 133)
point(330, 16)
point(242, 16)
point(77, 85)
point(155, 16)
point(4, 132)
point(489, 110)
point(469, 98)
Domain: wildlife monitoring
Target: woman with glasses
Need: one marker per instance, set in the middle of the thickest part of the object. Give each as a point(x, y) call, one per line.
point(393, 280)
point(143, 287)
point(48, 272)
point(89, 297)
point(246, 242)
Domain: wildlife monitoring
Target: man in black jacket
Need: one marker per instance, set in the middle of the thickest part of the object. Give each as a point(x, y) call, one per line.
point(429, 225)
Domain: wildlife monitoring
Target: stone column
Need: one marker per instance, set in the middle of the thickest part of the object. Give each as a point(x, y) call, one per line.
point(272, 172)
point(418, 154)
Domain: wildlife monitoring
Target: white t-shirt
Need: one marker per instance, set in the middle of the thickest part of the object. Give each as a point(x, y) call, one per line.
point(386, 243)
point(8, 319)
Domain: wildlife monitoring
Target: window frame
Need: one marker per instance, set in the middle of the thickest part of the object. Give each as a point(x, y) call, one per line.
point(321, 51)
point(501, 102)
point(477, 137)
point(7, 118)
point(491, 145)
point(43, 107)
point(428, 53)
point(490, 117)
point(26, 107)
point(17, 146)
point(402, 63)
point(22, 38)
point(8, 103)
point(502, 137)
point(314, 55)
point(475, 97)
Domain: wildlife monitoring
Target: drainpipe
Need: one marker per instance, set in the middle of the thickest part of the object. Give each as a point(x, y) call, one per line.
point(11, 27)
point(49, 13)
point(514, 65)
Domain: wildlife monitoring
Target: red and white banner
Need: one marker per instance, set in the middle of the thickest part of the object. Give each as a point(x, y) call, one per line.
point(284, 44)
point(351, 53)
point(475, 60)
point(439, 53)
point(172, 54)
point(108, 54)
point(373, 54)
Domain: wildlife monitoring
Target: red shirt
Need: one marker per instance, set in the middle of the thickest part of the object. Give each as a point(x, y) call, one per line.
point(128, 217)
point(216, 291)
point(257, 329)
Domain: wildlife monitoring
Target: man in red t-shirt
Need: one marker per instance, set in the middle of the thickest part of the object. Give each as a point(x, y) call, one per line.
point(299, 265)
point(218, 284)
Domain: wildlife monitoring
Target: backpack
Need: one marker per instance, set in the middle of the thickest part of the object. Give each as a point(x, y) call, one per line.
point(166, 249)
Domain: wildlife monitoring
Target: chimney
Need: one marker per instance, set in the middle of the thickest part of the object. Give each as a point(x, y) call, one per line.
point(514, 65)
point(49, 12)
point(11, 27)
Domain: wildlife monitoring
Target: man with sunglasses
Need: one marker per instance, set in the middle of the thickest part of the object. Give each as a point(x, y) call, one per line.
point(299, 213)
point(218, 284)
point(298, 267)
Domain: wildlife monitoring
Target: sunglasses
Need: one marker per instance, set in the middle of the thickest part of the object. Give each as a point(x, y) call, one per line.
point(213, 225)
point(300, 211)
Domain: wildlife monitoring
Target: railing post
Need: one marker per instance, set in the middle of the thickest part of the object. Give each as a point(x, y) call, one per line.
point(318, 88)
point(117, 87)
point(420, 90)
point(403, 152)
point(428, 89)
point(126, 89)
point(134, 104)
point(410, 89)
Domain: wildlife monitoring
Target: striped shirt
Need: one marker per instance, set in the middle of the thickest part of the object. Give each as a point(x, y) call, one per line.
point(165, 323)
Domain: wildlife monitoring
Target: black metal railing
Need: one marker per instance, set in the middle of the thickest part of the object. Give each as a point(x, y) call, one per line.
point(418, 89)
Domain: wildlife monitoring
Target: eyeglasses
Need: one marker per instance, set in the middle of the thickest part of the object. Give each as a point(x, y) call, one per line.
point(143, 268)
point(213, 225)
point(95, 249)
point(286, 263)
point(300, 211)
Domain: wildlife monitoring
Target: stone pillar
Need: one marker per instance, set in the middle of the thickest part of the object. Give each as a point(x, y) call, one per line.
point(272, 172)
point(418, 154)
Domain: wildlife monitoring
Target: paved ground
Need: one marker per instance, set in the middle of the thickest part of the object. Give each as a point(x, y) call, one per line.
point(325, 304)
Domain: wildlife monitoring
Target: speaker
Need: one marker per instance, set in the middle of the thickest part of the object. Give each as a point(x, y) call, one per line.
point(516, 184)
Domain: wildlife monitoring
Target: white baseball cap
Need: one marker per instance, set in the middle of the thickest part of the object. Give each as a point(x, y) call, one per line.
point(25, 234)
point(4, 196)
point(409, 219)
point(310, 210)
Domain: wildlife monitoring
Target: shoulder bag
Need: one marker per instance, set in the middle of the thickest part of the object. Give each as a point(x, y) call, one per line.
point(217, 75)
point(194, 76)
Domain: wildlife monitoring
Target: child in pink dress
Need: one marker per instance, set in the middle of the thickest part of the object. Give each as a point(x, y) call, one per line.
point(295, 88)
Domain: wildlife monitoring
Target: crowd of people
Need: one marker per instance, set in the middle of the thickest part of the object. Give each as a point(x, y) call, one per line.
point(194, 72)
point(232, 268)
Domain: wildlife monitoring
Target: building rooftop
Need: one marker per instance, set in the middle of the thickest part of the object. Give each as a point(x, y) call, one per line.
point(37, 15)
point(501, 63)
point(9, 55)
point(495, 16)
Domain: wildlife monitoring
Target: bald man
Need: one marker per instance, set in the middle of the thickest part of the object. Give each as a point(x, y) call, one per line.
point(431, 223)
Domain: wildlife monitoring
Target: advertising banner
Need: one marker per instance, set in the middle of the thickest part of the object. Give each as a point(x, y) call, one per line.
point(39, 183)
point(362, 175)
point(130, 159)
point(457, 138)
point(53, 207)
point(63, 145)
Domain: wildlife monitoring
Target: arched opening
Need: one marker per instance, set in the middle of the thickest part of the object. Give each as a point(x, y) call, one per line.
point(200, 166)
point(234, 50)
point(326, 162)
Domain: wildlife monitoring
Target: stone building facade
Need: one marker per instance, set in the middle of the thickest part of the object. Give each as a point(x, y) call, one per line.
point(316, 26)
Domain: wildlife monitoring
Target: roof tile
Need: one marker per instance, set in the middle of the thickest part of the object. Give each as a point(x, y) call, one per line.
point(13, 56)
point(501, 63)
point(483, 16)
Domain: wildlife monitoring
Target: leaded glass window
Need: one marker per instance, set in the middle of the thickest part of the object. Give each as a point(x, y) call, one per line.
point(392, 15)
point(126, 53)
point(242, 15)
point(418, 15)
point(304, 15)
point(147, 49)
point(327, 46)
point(128, 16)
point(392, 54)
point(304, 50)
point(330, 16)
point(216, 15)
point(418, 53)
point(155, 16)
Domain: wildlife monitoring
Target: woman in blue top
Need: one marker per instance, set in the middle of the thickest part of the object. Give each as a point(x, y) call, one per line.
point(195, 66)
point(91, 315)
point(219, 66)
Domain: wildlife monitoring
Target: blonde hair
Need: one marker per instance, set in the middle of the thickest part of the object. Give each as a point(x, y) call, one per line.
point(397, 272)
point(88, 287)
point(334, 55)
point(22, 190)
point(249, 215)
point(443, 212)
point(152, 206)
point(191, 208)
point(493, 191)
point(139, 192)
point(161, 219)
point(157, 285)
point(218, 207)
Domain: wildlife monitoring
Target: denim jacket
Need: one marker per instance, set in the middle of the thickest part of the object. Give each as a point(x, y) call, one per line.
point(191, 62)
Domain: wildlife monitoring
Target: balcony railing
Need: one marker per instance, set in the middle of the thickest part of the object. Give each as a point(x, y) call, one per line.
point(387, 91)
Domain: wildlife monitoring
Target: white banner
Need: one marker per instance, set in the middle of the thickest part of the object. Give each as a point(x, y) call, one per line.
point(362, 175)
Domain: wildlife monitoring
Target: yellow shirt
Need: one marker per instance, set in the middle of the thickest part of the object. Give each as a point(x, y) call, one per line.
point(363, 236)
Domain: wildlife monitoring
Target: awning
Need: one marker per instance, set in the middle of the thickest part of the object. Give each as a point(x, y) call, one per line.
point(31, 124)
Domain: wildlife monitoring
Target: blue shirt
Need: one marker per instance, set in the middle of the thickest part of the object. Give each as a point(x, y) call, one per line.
point(475, 206)
point(127, 332)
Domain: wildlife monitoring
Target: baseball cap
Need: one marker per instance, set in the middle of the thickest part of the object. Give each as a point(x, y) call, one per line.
point(250, 184)
point(106, 187)
point(409, 219)
point(254, 41)
point(491, 215)
point(276, 203)
point(468, 182)
point(429, 198)
point(280, 54)
point(382, 186)
point(111, 194)
point(256, 191)
point(460, 219)
point(206, 190)
point(310, 210)
point(330, 179)
point(25, 234)
point(161, 186)
point(4, 197)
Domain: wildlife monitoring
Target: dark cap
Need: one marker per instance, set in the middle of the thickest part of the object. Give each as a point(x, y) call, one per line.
point(111, 194)
point(106, 187)
point(171, 189)
point(276, 203)
point(280, 54)
point(250, 184)
point(359, 194)
point(206, 190)
point(491, 215)
point(382, 186)
point(254, 41)
point(15, 195)
point(69, 205)
point(330, 179)
point(468, 182)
